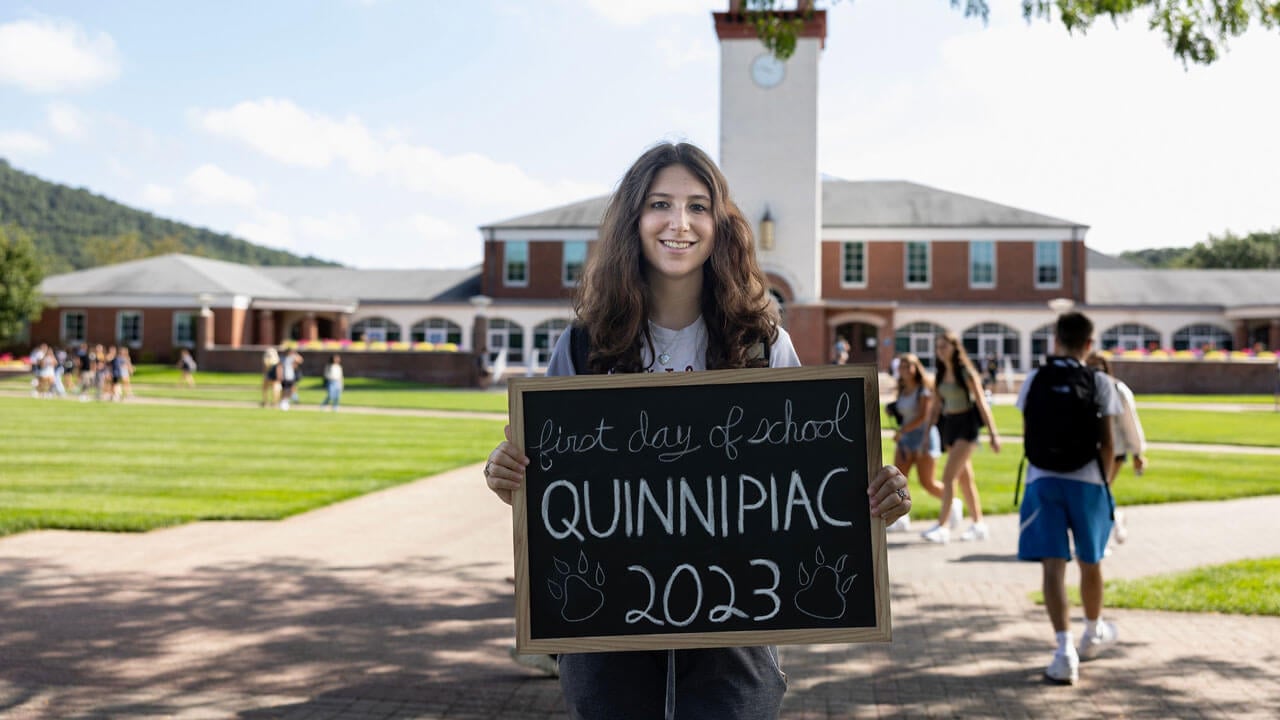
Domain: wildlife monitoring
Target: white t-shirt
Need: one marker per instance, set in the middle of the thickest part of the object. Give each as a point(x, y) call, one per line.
point(1104, 398)
point(686, 347)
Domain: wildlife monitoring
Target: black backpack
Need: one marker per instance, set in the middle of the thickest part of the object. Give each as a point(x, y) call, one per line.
point(1060, 420)
point(580, 349)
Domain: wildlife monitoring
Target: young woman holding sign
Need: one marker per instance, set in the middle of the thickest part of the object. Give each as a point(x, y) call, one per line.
point(673, 285)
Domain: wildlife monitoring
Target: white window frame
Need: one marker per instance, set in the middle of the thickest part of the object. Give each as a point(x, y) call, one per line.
point(989, 284)
point(1035, 264)
point(564, 262)
point(845, 249)
point(120, 339)
point(376, 329)
point(435, 330)
point(194, 319)
point(506, 264)
point(928, 265)
point(84, 326)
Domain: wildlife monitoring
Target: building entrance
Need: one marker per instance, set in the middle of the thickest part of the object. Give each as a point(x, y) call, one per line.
point(863, 339)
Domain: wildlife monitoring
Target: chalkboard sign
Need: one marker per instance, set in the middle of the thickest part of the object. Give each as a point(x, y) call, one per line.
point(708, 509)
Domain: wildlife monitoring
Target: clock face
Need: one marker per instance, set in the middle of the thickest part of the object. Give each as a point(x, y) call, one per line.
point(767, 71)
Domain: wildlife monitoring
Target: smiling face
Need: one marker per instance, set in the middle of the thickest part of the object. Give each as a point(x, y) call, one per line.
point(944, 349)
point(677, 229)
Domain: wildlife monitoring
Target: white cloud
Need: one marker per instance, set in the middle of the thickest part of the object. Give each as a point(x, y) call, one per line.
point(157, 195)
point(1106, 129)
point(49, 56)
point(268, 228)
point(67, 121)
point(17, 142)
point(331, 230)
point(281, 130)
point(634, 12)
point(211, 185)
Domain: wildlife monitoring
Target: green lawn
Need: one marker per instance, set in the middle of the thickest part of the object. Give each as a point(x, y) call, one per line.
point(158, 381)
point(1265, 399)
point(1245, 587)
point(1185, 426)
point(1171, 477)
point(110, 466)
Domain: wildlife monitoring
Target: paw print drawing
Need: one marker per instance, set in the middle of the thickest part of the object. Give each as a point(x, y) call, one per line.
point(822, 593)
point(578, 590)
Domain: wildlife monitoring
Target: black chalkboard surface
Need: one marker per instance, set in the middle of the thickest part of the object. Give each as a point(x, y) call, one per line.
point(705, 509)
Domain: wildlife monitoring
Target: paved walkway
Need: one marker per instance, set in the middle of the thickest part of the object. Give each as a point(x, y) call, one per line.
point(395, 605)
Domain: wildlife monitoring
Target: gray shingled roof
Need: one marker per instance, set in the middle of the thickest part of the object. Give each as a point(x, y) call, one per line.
point(1095, 260)
point(379, 285)
point(1184, 288)
point(897, 203)
point(871, 203)
point(582, 214)
point(173, 274)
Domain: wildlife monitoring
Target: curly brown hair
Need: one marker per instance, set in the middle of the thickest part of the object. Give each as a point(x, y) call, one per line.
point(614, 301)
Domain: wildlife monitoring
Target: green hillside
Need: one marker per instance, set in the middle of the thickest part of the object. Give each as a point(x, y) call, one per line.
point(75, 229)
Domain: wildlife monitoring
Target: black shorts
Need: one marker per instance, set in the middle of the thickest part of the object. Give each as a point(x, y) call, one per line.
point(959, 426)
point(286, 384)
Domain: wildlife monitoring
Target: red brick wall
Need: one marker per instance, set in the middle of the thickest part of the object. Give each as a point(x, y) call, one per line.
point(546, 272)
point(949, 270)
point(449, 369)
point(1215, 377)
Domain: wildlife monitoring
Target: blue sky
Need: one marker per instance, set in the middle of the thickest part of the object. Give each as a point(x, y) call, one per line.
point(381, 133)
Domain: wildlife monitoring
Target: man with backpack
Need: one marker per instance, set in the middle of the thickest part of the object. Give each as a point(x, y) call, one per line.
point(1066, 409)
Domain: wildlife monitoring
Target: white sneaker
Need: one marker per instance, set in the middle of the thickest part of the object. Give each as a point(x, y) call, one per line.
point(976, 531)
point(937, 534)
point(1104, 635)
point(957, 514)
point(1120, 530)
point(1064, 668)
point(902, 524)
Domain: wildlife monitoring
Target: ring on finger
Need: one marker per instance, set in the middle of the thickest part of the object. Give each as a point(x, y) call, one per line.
point(488, 468)
point(902, 494)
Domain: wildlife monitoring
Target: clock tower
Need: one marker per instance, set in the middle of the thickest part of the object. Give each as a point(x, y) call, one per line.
point(769, 152)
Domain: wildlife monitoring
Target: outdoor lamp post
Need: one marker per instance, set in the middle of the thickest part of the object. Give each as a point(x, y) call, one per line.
point(766, 231)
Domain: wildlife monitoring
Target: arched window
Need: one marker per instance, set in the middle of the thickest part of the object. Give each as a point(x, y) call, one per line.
point(504, 333)
point(1200, 337)
point(376, 329)
point(918, 338)
point(1129, 336)
point(436, 331)
point(991, 340)
point(545, 335)
point(1042, 344)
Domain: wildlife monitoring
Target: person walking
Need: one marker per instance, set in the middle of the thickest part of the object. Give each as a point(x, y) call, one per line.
point(1067, 409)
point(674, 286)
point(1128, 435)
point(187, 365)
point(271, 387)
point(964, 413)
point(916, 441)
point(333, 383)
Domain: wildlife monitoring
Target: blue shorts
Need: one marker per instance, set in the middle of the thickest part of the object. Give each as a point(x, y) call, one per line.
point(1055, 505)
point(914, 441)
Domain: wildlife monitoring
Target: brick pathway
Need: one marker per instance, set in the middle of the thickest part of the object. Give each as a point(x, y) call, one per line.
point(395, 605)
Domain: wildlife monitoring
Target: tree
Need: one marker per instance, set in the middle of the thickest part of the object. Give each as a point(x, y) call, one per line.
point(1195, 30)
point(1257, 250)
point(20, 278)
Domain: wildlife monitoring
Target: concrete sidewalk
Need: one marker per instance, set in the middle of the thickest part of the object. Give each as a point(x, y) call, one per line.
point(395, 605)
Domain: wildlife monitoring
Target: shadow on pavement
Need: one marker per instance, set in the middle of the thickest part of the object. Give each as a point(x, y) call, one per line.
point(285, 638)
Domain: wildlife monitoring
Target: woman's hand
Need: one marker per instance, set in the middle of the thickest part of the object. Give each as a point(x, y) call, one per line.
point(888, 492)
point(504, 471)
point(995, 443)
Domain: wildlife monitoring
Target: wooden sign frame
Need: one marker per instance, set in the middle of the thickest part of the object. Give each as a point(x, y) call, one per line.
point(880, 632)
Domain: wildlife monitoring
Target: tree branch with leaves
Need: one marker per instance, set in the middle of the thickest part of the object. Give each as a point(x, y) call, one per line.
point(1197, 31)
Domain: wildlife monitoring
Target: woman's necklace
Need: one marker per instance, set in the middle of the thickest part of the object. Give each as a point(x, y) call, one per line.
point(664, 349)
